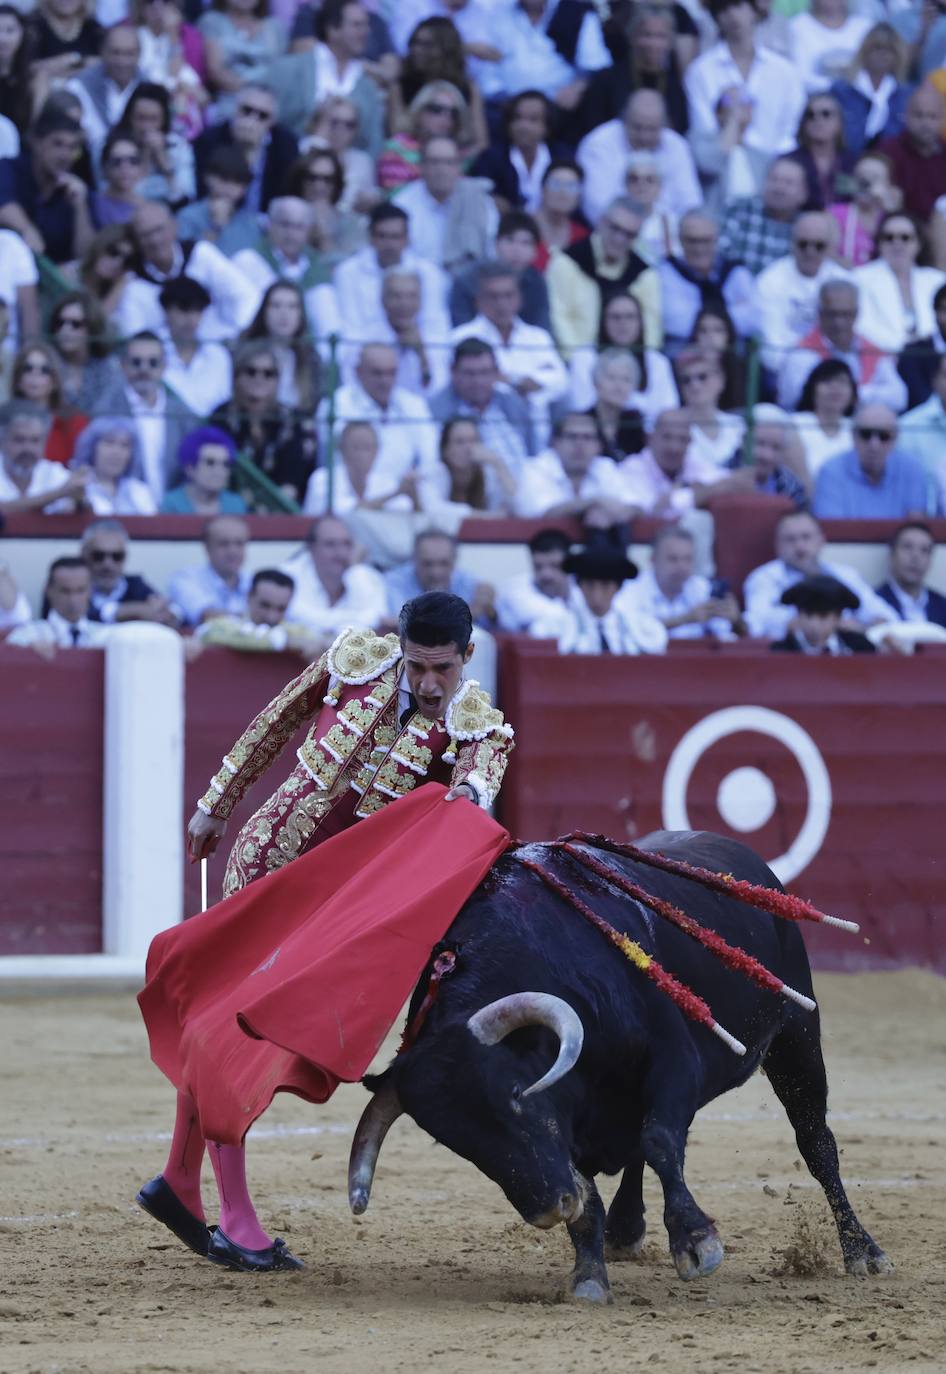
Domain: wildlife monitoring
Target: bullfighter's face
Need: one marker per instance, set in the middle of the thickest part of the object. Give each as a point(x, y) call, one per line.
point(434, 674)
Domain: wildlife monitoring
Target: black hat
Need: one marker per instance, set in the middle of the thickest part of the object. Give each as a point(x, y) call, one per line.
point(600, 564)
point(820, 594)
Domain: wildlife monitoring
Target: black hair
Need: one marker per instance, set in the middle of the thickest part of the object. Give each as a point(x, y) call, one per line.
point(513, 103)
point(517, 222)
point(386, 211)
point(939, 298)
point(436, 618)
point(331, 15)
point(560, 164)
point(826, 371)
point(548, 541)
point(273, 575)
point(185, 293)
point(143, 336)
point(68, 563)
point(472, 348)
point(906, 527)
point(149, 90)
point(54, 122)
point(229, 163)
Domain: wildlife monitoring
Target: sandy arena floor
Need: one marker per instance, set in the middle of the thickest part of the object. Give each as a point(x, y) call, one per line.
point(440, 1273)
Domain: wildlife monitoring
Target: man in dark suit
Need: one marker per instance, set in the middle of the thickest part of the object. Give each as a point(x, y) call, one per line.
point(118, 595)
point(821, 602)
point(911, 553)
point(919, 362)
point(269, 148)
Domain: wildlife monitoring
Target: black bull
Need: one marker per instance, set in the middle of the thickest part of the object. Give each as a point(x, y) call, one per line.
point(626, 1082)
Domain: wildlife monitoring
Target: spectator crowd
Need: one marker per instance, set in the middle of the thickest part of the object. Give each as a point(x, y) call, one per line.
point(398, 266)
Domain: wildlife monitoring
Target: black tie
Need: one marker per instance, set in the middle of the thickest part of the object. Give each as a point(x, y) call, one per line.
point(605, 646)
point(409, 709)
point(75, 632)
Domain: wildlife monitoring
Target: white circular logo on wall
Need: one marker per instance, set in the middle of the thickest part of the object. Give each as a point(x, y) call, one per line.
point(746, 797)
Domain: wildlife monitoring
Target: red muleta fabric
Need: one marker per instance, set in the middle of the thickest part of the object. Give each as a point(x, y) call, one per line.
point(291, 984)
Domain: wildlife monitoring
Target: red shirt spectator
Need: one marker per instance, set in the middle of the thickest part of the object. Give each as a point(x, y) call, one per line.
point(918, 155)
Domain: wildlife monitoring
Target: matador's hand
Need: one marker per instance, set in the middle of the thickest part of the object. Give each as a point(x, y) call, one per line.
point(204, 833)
point(462, 789)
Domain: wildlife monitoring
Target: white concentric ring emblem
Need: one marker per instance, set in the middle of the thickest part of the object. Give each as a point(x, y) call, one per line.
point(733, 720)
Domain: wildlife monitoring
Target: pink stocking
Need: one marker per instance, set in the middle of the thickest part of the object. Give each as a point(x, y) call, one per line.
point(182, 1171)
point(238, 1219)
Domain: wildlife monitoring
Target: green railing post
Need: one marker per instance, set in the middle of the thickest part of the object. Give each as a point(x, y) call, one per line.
point(330, 439)
point(752, 396)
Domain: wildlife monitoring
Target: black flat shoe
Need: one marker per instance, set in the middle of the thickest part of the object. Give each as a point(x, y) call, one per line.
point(222, 1250)
point(159, 1200)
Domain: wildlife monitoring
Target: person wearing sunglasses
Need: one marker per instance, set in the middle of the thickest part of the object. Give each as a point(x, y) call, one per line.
point(821, 153)
point(335, 126)
point(118, 197)
point(270, 149)
point(438, 110)
point(205, 457)
point(896, 301)
point(874, 480)
point(241, 41)
point(872, 92)
point(104, 268)
point(117, 594)
point(281, 442)
point(160, 417)
point(788, 288)
point(36, 378)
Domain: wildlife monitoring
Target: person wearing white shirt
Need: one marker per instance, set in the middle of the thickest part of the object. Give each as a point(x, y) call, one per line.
point(799, 544)
point(667, 478)
point(423, 360)
point(18, 288)
point(597, 621)
point(763, 80)
point(788, 288)
point(200, 373)
point(681, 599)
point(896, 296)
point(28, 481)
point(356, 480)
point(568, 479)
point(603, 156)
point(14, 607)
point(331, 591)
point(541, 592)
point(402, 421)
point(358, 279)
point(104, 88)
point(221, 585)
point(876, 375)
point(534, 59)
point(68, 593)
point(453, 219)
point(825, 41)
point(283, 254)
point(234, 300)
point(527, 357)
point(9, 138)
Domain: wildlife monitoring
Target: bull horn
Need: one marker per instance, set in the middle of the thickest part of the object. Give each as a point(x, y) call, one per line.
point(494, 1022)
point(376, 1120)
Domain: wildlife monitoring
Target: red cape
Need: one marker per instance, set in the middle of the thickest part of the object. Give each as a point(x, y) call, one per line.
point(292, 983)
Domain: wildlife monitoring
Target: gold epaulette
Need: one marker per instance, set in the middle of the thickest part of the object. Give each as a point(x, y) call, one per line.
point(471, 715)
point(359, 656)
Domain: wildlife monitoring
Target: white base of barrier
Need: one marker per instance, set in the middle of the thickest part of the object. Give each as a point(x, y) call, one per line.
point(65, 966)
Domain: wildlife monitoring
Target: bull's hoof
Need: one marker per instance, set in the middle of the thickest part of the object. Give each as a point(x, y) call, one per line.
point(701, 1256)
point(622, 1254)
point(591, 1290)
point(871, 1260)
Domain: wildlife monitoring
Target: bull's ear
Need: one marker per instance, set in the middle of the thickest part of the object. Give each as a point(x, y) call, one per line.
point(374, 1082)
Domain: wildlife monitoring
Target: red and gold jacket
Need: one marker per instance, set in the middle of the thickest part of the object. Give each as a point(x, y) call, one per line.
point(352, 691)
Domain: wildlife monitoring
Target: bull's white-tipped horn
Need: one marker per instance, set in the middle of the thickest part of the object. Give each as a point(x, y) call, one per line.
point(376, 1120)
point(494, 1022)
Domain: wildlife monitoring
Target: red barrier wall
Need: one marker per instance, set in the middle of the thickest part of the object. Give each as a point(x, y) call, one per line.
point(595, 737)
point(594, 740)
point(51, 802)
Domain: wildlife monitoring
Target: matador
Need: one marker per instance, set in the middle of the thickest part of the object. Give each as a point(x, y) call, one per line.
point(388, 713)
